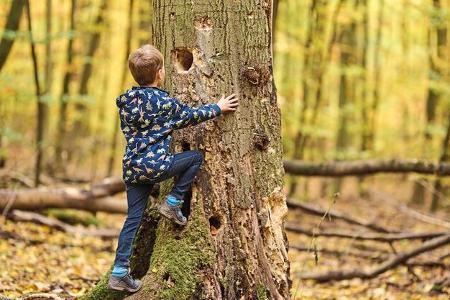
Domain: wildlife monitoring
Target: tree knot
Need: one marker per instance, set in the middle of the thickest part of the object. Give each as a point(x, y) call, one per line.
point(260, 139)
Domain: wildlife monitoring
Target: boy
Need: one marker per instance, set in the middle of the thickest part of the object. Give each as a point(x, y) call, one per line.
point(148, 116)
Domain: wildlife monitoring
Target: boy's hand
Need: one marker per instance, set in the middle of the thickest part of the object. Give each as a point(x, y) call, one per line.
point(228, 104)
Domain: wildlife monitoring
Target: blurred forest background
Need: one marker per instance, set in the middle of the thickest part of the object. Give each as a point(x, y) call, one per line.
point(356, 80)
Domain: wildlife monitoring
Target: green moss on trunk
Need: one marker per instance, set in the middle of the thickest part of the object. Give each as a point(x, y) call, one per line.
point(178, 258)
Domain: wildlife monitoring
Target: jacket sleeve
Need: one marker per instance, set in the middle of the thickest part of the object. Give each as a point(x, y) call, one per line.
point(185, 116)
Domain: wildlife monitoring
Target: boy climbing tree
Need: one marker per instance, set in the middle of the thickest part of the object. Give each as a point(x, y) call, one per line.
point(148, 116)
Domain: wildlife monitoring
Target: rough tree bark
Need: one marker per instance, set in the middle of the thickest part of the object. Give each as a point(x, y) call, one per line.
point(234, 245)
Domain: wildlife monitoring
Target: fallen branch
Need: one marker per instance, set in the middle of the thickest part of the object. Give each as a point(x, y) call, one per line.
point(388, 199)
point(397, 260)
point(309, 209)
point(360, 254)
point(67, 197)
point(364, 167)
point(379, 237)
point(40, 296)
point(23, 216)
point(368, 255)
point(11, 235)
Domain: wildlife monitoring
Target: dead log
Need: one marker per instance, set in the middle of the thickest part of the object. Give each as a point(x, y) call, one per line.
point(420, 216)
point(23, 216)
point(67, 197)
point(390, 264)
point(379, 237)
point(372, 255)
point(364, 167)
point(309, 209)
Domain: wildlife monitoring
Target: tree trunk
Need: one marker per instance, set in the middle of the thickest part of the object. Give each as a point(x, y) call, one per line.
point(40, 104)
point(64, 97)
point(12, 24)
point(47, 93)
point(438, 186)
point(348, 57)
point(308, 64)
point(81, 124)
point(234, 245)
point(437, 44)
point(320, 64)
point(113, 145)
point(377, 76)
point(145, 21)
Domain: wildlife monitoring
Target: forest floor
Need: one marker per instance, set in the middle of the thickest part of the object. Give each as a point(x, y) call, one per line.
point(40, 259)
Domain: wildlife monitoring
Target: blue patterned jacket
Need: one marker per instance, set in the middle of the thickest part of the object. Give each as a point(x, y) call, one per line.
point(148, 116)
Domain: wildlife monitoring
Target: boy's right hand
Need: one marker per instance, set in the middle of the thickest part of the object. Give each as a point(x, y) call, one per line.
point(228, 104)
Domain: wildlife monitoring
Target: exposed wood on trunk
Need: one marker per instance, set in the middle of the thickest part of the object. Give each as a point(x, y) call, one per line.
point(367, 236)
point(83, 199)
point(365, 167)
point(309, 209)
point(12, 24)
point(390, 264)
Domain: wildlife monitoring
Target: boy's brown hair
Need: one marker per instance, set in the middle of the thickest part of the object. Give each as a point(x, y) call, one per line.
point(144, 63)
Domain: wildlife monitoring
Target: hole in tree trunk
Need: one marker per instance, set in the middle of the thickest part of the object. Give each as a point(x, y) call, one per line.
point(214, 224)
point(169, 280)
point(185, 146)
point(182, 58)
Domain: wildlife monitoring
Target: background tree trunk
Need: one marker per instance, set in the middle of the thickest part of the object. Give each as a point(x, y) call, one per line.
point(40, 104)
point(437, 43)
point(234, 245)
point(113, 145)
point(64, 97)
point(12, 24)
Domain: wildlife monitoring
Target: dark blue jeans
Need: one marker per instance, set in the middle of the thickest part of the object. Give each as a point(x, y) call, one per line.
point(184, 167)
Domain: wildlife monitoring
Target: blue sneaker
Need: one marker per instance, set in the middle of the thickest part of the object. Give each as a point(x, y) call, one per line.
point(173, 213)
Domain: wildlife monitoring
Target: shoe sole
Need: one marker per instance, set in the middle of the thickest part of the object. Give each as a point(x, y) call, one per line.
point(122, 289)
point(170, 217)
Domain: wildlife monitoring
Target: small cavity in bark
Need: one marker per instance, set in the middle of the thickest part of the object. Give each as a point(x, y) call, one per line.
point(215, 224)
point(183, 59)
point(185, 146)
point(261, 140)
point(256, 75)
